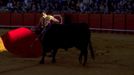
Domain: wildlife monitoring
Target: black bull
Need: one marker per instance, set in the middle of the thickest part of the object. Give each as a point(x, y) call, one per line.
point(67, 36)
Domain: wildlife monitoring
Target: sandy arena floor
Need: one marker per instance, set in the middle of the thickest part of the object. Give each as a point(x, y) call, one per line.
point(114, 56)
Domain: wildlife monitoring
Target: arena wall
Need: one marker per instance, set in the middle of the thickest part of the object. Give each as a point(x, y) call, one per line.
point(109, 22)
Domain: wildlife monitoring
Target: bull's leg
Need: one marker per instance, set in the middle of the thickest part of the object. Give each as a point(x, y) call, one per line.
point(80, 58)
point(43, 57)
point(54, 52)
point(85, 53)
point(91, 50)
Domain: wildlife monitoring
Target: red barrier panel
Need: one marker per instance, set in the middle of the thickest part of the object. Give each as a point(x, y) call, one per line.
point(37, 18)
point(29, 19)
point(119, 21)
point(16, 19)
point(83, 18)
point(95, 20)
point(5, 19)
point(130, 21)
point(107, 21)
point(73, 17)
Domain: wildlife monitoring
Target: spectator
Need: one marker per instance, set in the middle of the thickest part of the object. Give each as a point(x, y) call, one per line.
point(33, 7)
point(1, 3)
point(93, 6)
point(10, 6)
point(82, 7)
point(132, 7)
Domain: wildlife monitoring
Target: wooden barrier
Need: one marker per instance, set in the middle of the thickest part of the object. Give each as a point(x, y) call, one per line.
point(130, 21)
point(107, 21)
point(83, 18)
point(5, 19)
point(119, 21)
point(37, 18)
point(101, 21)
point(95, 20)
point(29, 19)
point(74, 17)
point(16, 19)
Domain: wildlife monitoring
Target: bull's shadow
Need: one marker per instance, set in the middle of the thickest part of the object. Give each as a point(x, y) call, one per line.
point(67, 36)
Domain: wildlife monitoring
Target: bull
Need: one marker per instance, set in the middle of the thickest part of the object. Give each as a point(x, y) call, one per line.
point(67, 36)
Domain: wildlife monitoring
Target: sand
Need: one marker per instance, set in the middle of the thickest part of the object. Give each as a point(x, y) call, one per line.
point(114, 56)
